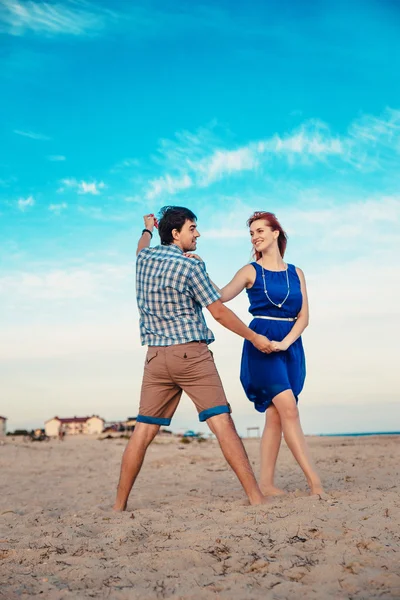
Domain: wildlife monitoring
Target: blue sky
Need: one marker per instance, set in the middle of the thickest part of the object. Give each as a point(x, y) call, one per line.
point(113, 109)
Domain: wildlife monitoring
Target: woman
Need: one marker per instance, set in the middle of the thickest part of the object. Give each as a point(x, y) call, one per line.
point(273, 381)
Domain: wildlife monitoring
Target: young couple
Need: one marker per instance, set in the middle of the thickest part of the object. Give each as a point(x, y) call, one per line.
point(172, 289)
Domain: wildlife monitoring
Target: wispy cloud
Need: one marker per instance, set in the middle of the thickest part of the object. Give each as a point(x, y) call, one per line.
point(188, 147)
point(58, 208)
point(201, 166)
point(373, 142)
point(168, 185)
point(73, 17)
point(83, 187)
point(90, 187)
point(224, 162)
point(25, 203)
point(32, 135)
point(312, 139)
point(56, 158)
point(194, 160)
point(125, 164)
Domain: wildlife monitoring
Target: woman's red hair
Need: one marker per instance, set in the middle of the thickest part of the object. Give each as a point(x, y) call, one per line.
point(274, 224)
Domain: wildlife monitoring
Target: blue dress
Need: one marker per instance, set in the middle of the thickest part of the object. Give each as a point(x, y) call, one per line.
point(263, 376)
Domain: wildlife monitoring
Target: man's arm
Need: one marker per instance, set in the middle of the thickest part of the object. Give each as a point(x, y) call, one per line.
point(145, 238)
point(244, 277)
point(204, 293)
point(228, 319)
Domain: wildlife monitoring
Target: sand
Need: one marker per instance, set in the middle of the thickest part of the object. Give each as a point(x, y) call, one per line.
point(188, 533)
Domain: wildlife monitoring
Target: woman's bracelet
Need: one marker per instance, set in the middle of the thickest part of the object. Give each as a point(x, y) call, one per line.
point(148, 231)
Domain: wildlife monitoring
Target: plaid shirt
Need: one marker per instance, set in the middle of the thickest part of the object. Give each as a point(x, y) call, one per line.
point(171, 291)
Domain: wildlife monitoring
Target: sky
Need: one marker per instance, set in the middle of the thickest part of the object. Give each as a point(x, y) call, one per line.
point(112, 109)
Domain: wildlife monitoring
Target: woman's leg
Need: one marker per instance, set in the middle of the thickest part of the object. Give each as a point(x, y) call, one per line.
point(270, 444)
point(285, 404)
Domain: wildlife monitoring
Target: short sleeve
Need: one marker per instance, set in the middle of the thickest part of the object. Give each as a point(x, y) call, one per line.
point(200, 286)
point(142, 254)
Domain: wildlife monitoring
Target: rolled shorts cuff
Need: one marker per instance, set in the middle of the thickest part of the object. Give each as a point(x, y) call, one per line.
point(152, 420)
point(213, 411)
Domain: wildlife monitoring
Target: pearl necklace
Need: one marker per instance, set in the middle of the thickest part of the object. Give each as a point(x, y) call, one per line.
point(265, 287)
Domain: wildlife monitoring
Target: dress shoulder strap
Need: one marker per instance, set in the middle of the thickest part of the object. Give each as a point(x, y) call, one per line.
point(255, 265)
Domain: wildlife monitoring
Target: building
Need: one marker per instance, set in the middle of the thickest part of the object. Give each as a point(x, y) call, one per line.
point(93, 425)
point(3, 423)
point(121, 426)
point(130, 423)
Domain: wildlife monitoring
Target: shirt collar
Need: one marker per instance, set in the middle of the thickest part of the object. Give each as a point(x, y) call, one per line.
point(173, 248)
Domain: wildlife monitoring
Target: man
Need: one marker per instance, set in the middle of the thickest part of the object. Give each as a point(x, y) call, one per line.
point(172, 289)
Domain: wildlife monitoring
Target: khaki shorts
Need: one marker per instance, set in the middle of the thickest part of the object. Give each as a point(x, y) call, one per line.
point(168, 371)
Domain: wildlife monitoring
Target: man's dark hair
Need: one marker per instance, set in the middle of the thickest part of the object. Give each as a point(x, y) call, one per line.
point(170, 218)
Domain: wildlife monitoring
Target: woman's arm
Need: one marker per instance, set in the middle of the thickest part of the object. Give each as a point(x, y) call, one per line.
point(302, 319)
point(243, 278)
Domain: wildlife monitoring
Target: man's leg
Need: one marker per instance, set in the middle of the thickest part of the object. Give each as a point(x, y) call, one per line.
point(132, 461)
point(159, 398)
point(232, 448)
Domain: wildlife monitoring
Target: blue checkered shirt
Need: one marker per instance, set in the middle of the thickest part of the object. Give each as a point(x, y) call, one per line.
point(171, 291)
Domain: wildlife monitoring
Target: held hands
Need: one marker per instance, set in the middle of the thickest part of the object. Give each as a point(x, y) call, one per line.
point(262, 343)
point(279, 346)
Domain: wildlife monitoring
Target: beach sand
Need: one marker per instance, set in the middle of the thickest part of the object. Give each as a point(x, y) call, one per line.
point(188, 533)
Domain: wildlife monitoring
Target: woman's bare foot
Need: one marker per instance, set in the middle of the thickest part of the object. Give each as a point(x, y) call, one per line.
point(316, 488)
point(321, 495)
point(271, 490)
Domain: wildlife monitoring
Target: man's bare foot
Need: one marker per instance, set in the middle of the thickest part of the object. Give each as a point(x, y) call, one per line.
point(271, 490)
point(119, 507)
